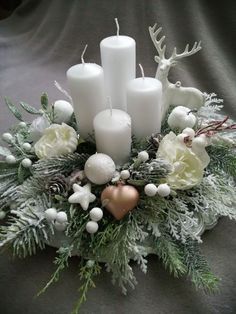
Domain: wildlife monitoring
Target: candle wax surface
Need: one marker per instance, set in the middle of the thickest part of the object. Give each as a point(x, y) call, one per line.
point(144, 106)
point(86, 84)
point(113, 134)
point(118, 57)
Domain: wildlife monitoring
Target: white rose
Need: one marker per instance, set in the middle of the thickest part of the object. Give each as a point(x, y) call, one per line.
point(57, 140)
point(187, 167)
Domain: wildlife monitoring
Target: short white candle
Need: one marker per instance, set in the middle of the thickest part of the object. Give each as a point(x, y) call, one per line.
point(86, 84)
point(118, 57)
point(144, 106)
point(113, 134)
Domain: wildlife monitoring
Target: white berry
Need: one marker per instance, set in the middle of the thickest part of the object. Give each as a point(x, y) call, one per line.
point(199, 142)
point(50, 214)
point(125, 174)
point(22, 124)
point(92, 227)
point(27, 147)
point(10, 159)
point(181, 137)
point(189, 132)
point(2, 214)
point(143, 156)
point(163, 190)
point(150, 189)
point(61, 217)
point(60, 227)
point(7, 137)
point(206, 139)
point(96, 214)
point(26, 163)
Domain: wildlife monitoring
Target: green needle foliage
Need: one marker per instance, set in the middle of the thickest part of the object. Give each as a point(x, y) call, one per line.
point(161, 226)
point(198, 268)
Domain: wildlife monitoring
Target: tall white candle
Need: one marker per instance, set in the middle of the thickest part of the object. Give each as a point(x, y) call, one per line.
point(118, 55)
point(86, 84)
point(113, 134)
point(144, 105)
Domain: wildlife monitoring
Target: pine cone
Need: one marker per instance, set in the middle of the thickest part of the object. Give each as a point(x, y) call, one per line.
point(58, 185)
point(155, 140)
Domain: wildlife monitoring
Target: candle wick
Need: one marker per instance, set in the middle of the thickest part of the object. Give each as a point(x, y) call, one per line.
point(142, 71)
point(109, 104)
point(117, 27)
point(82, 55)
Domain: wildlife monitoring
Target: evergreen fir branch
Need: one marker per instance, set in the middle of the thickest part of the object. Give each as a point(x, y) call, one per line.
point(218, 194)
point(119, 247)
point(27, 229)
point(62, 262)
point(29, 108)
point(13, 109)
point(33, 187)
point(76, 227)
point(170, 254)
point(87, 273)
point(64, 165)
point(144, 173)
point(44, 101)
point(223, 158)
point(198, 268)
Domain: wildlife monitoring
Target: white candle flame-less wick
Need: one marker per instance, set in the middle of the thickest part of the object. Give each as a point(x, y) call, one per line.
point(109, 104)
point(82, 55)
point(117, 27)
point(142, 71)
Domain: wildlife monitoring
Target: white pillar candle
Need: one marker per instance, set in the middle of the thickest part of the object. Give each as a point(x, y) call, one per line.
point(113, 134)
point(118, 61)
point(144, 106)
point(86, 84)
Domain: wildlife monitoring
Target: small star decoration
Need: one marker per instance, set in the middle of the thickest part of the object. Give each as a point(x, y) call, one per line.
point(82, 195)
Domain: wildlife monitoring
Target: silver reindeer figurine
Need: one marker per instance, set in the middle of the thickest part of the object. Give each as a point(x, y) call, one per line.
point(174, 94)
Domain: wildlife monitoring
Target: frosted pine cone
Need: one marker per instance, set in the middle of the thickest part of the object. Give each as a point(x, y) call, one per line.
point(58, 185)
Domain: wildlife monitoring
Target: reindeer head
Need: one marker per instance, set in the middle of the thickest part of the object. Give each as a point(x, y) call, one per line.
point(164, 64)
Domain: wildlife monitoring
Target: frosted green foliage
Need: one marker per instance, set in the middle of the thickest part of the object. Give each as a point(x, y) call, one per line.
point(64, 165)
point(198, 268)
point(62, 262)
point(218, 193)
point(152, 172)
point(212, 107)
point(27, 229)
point(161, 226)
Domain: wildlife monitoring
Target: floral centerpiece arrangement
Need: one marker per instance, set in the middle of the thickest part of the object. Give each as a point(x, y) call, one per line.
point(111, 198)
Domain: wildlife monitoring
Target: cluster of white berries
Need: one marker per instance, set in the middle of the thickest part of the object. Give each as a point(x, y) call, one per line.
point(142, 157)
point(27, 147)
point(162, 190)
point(95, 215)
point(200, 141)
point(59, 219)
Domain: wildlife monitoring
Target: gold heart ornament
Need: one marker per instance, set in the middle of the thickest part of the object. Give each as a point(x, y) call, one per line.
point(120, 199)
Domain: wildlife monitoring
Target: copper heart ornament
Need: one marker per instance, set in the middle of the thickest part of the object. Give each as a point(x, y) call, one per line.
point(120, 199)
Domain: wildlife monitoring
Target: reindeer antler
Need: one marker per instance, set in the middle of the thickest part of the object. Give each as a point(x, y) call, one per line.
point(176, 56)
point(157, 43)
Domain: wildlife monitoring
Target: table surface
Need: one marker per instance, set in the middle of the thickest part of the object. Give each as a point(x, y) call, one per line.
point(38, 43)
